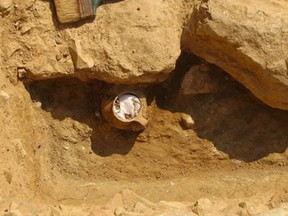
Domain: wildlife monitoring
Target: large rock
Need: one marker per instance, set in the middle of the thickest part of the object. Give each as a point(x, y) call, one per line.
point(131, 41)
point(202, 79)
point(248, 39)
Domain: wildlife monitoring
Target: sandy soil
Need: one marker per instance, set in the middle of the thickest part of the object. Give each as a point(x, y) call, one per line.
point(236, 141)
point(57, 149)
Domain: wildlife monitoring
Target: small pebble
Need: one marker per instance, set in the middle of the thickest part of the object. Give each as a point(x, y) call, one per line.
point(21, 72)
point(119, 211)
point(58, 40)
point(8, 176)
point(59, 57)
point(38, 104)
point(242, 205)
point(186, 121)
point(25, 30)
point(65, 54)
point(4, 95)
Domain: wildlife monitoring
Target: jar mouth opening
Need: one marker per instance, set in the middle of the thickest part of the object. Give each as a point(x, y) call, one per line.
point(126, 106)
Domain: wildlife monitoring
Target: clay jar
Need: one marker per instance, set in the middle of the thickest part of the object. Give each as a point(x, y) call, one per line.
point(137, 122)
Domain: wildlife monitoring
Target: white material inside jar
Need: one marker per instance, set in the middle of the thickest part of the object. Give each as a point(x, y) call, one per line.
point(127, 106)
